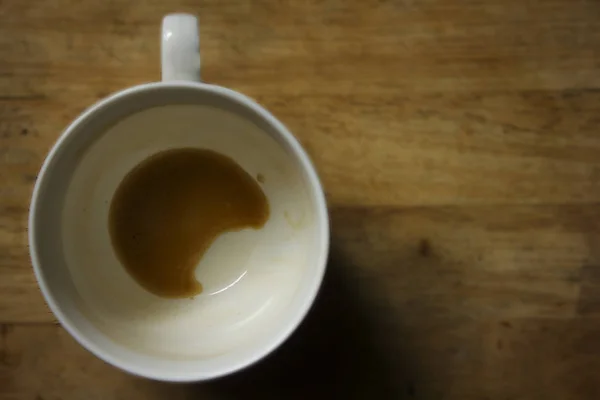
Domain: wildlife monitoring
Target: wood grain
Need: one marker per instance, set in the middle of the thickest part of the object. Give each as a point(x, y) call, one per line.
point(458, 144)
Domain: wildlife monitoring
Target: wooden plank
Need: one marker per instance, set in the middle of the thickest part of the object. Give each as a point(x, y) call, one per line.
point(495, 261)
point(316, 46)
point(344, 348)
point(474, 262)
point(526, 147)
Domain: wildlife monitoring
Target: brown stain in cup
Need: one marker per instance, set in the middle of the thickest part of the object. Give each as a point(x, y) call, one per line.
point(170, 208)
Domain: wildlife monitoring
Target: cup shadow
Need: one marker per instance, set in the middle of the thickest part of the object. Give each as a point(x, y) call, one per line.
point(339, 350)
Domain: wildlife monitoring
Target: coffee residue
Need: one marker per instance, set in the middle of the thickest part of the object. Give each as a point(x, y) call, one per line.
point(170, 208)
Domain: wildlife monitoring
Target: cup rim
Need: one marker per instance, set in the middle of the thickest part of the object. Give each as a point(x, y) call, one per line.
point(317, 194)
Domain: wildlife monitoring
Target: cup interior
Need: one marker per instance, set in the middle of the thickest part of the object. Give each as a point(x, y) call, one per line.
point(258, 284)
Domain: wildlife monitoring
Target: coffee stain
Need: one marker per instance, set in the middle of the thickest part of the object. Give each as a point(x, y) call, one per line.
point(295, 221)
point(170, 208)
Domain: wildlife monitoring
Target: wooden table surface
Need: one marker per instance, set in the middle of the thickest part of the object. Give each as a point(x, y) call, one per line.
point(459, 145)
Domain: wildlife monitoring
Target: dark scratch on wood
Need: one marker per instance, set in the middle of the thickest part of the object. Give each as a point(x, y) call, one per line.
point(424, 248)
point(3, 346)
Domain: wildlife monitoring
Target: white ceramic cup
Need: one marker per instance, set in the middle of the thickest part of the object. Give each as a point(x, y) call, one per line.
point(258, 284)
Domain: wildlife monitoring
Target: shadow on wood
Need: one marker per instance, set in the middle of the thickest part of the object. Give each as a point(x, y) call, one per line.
point(338, 350)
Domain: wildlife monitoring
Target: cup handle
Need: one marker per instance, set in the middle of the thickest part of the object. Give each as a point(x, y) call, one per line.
point(180, 48)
